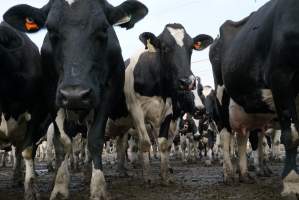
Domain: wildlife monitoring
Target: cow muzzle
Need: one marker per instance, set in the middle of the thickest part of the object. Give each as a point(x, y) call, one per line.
point(188, 83)
point(75, 98)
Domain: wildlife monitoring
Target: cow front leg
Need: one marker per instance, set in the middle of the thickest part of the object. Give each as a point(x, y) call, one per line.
point(31, 191)
point(144, 140)
point(62, 179)
point(17, 167)
point(96, 133)
point(164, 147)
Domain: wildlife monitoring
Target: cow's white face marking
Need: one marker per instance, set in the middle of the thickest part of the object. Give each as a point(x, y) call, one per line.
point(268, 98)
point(219, 93)
point(70, 2)
point(178, 35)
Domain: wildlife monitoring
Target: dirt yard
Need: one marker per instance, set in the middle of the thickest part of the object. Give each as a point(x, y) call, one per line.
point(193, 182)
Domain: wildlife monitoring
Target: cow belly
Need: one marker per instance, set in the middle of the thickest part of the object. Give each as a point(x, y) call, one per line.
point(242, 122)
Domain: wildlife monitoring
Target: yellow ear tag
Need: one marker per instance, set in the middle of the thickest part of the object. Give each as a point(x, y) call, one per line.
point(30, 25)
point(197, 45)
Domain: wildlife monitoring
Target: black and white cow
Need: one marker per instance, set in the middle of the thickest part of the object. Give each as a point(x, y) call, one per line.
point(85, 69)
point(22, 101)
point(155, 81)
point(255, 60)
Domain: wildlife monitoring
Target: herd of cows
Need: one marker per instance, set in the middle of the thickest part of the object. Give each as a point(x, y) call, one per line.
point(80, 83)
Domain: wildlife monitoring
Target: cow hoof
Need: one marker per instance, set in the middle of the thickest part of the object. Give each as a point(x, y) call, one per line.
point(247, 178)
point(230, 181)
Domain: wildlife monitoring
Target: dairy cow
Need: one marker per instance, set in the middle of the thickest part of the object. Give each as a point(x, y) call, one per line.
point(85, 69)
point(22, 100)
point(256, 74)
point(155, 81)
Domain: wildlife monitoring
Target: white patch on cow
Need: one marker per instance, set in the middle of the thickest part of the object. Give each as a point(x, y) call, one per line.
point(207, 90)
point(268, 98)
point(295, 134)
point(62, 182)
point(97, 185)
point(70, 2)
point(291, 184)
point(178, 34)
point(219, 93)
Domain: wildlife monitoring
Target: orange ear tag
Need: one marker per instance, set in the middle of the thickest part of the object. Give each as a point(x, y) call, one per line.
point(30, 25)
point(197, 45)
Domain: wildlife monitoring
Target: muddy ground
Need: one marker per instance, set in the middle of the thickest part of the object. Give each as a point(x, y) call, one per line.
point(193, 182)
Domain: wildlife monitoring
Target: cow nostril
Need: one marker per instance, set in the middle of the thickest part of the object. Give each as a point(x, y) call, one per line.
point(85, 94)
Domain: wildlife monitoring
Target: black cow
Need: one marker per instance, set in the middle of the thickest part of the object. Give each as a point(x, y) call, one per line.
point(155, 79)
point(85, 68)
point(255, 60)
point(22, 99)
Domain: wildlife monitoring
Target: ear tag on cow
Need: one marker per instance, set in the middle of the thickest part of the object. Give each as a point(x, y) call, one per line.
point(123, 20)
point(149, 46)
point(30, 25)
point(197, 45)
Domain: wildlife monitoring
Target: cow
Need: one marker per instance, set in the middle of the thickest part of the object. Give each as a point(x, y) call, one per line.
point(255, 69)
point(22, 100)
point(155, 81)
point(85, 69)
point(189, 138)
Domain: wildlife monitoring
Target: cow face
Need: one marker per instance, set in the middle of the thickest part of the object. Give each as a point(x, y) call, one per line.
point(80, 43)
point(175, 47)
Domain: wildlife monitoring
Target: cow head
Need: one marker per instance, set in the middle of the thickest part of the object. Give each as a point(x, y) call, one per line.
point(175, 47)
point(81, 44)
point(199, 100)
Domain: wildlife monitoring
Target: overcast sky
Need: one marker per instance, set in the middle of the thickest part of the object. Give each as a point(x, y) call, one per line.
point(197, 16)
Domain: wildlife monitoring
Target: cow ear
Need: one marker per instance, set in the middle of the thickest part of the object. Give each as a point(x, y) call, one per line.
point(201, 42)
point(127, 14)
point(25, 18)
point(150, 41)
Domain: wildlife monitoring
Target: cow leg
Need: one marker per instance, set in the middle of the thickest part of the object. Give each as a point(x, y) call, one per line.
point(17, 167)
point(2, 162)
point(122, 145)
point(287, 113)
point(49, 148)
point(62, 178)
point(164, 147)
point(262, 169)
point(96, 140)
point(242, 146)
point(183, 140)
point(228, 170)
point(143, 138)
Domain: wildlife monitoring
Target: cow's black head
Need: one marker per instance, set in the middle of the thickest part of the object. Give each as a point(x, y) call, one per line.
point(81, 44)
point(175, 47)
